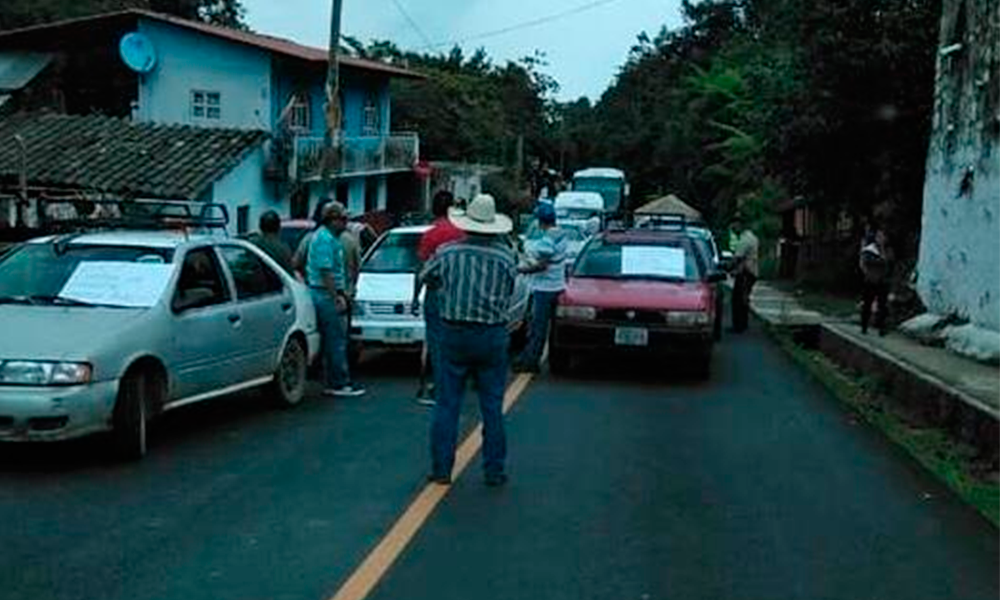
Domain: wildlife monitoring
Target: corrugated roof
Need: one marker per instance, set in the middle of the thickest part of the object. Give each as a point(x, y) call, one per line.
point(264, 42)
point(18, 68)
point(115, 156)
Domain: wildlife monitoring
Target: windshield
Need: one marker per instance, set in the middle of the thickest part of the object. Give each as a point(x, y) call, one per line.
point(41, 272)
point(609, 260)
point(396, 253)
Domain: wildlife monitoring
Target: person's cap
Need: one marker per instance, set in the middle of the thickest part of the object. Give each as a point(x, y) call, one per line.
point(546, 213)
point(481, 217)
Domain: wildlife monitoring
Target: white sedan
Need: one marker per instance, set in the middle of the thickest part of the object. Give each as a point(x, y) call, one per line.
point(104, 331)
point(383, 310)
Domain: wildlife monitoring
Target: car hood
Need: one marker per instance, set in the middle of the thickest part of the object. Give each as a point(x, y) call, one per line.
point(60, 333)
point(385, 287)
point(643, 295)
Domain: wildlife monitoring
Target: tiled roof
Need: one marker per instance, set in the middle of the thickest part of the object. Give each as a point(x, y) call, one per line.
point(115, 156)
point(264, 42)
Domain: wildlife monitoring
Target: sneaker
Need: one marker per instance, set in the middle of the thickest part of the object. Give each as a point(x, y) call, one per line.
point(425, 397)
point(347, 391)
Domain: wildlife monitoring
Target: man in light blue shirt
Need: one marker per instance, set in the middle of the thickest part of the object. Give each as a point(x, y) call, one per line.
point(547, 268)
point(326, 276)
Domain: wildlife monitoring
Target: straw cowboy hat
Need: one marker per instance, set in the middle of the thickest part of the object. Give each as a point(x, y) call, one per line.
point(481, 217)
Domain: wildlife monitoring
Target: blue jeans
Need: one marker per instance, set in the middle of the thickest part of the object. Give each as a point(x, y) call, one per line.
point(333, 332)
point(432, 333)
point(479, 350)
point(543, 307)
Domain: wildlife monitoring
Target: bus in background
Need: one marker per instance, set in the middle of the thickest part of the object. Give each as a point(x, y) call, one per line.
point(609, 183)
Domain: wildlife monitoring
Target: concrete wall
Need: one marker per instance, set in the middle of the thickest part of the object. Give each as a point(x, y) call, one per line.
point(188, 61)
point(959, 266)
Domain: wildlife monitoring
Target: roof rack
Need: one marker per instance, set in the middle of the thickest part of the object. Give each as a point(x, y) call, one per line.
point(62, 215)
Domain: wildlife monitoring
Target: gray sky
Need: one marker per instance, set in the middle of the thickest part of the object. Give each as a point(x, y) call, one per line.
point(584, 49)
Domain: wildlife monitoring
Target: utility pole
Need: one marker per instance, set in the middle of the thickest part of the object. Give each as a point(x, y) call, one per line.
point(331, 140)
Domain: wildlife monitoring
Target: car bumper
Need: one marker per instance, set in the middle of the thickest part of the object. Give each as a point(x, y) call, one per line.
point(51, 414)
point(584, 336)
point(396, 333)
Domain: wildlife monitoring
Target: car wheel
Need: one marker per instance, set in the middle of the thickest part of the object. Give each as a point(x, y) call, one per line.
point(131, 415)
point(289, 385)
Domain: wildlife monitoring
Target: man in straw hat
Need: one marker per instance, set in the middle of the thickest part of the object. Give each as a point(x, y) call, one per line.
point(474, 279)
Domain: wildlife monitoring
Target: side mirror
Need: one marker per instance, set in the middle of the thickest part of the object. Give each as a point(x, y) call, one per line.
point(716, 277)
point(725, 260)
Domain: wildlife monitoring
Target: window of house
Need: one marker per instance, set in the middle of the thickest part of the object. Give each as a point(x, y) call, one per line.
point(300, 118)
point(243, 220)
point(206, 105)
point(370, 119)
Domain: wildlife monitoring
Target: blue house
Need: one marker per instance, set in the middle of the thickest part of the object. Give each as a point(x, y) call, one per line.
point(197, 75)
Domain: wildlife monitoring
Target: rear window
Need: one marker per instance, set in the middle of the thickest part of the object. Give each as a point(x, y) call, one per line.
point(396, 253)
point(612, 260)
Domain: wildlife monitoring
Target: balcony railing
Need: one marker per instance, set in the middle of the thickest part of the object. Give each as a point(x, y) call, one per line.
point(354, 156)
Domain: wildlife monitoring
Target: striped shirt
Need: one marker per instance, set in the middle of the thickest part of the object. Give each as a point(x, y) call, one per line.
point(474, 280)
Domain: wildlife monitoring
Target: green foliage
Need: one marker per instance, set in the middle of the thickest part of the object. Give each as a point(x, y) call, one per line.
point(23, 13)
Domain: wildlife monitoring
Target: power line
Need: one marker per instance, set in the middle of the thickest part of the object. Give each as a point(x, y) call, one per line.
point(413, 24)
point(523, 25)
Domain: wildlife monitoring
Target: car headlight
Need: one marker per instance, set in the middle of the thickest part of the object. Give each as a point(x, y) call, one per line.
point(585, 313)
point(687, 318)
point(40, 373)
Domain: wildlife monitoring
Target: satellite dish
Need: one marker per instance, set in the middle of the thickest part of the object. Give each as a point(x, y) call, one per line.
point(137, 52)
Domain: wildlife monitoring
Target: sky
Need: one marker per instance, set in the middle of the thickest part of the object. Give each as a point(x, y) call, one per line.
point(585, 41)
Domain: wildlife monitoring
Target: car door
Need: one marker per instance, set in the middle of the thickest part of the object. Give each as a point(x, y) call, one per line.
point(266, 306)
point(206, 328)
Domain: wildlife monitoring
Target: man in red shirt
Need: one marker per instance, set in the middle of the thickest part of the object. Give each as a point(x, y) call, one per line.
point(442, 232)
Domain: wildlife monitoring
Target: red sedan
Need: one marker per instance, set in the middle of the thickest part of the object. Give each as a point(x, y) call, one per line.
point(637, 290)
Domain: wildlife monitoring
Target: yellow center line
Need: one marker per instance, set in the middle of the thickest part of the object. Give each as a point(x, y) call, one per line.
point(377, 563)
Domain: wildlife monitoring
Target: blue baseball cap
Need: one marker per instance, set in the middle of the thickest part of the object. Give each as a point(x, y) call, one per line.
point(546, 213)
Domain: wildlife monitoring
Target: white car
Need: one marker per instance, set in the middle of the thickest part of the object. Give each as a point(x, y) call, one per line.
point(383, 309)
point(104, 331)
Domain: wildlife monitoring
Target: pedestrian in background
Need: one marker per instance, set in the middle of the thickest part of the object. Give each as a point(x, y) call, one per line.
point(745, 269)
point(874, 264)
point(269, 240)
point(302, 251)
point(475, 282)
point(326, 275)
point(442, 232)
point(546, 266)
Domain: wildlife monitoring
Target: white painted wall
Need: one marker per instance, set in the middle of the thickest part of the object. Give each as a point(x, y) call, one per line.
point(245, 185)
point(188, 60)
point(959, 264)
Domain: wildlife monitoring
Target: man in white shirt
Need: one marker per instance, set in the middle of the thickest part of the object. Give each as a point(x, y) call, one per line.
point(745, 268)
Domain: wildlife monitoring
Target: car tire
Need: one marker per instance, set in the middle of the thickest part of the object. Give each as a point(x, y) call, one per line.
point(289, 385)
point(130, 419)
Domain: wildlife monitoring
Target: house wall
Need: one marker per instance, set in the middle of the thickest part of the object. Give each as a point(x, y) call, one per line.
point(245, 186)
point(959, 264)
point(188, 60)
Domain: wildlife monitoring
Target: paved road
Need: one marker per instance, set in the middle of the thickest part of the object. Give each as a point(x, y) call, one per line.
point(753, 485)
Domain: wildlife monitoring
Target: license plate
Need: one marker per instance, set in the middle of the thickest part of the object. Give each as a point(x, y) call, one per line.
point(398, 335)
point(631, 336)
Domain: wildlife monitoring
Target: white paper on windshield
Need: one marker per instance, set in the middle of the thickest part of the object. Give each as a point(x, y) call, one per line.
point(136, 285)
point(660, 261)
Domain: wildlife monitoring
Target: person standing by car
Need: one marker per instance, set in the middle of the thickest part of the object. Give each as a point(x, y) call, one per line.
point(547, 268)
point(475, 281)
point(326, 275)
point(745, 269)
point(269, 240)
point(441, 232)
point(874, 263)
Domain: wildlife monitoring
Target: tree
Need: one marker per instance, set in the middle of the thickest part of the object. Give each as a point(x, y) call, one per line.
point(22, 13)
